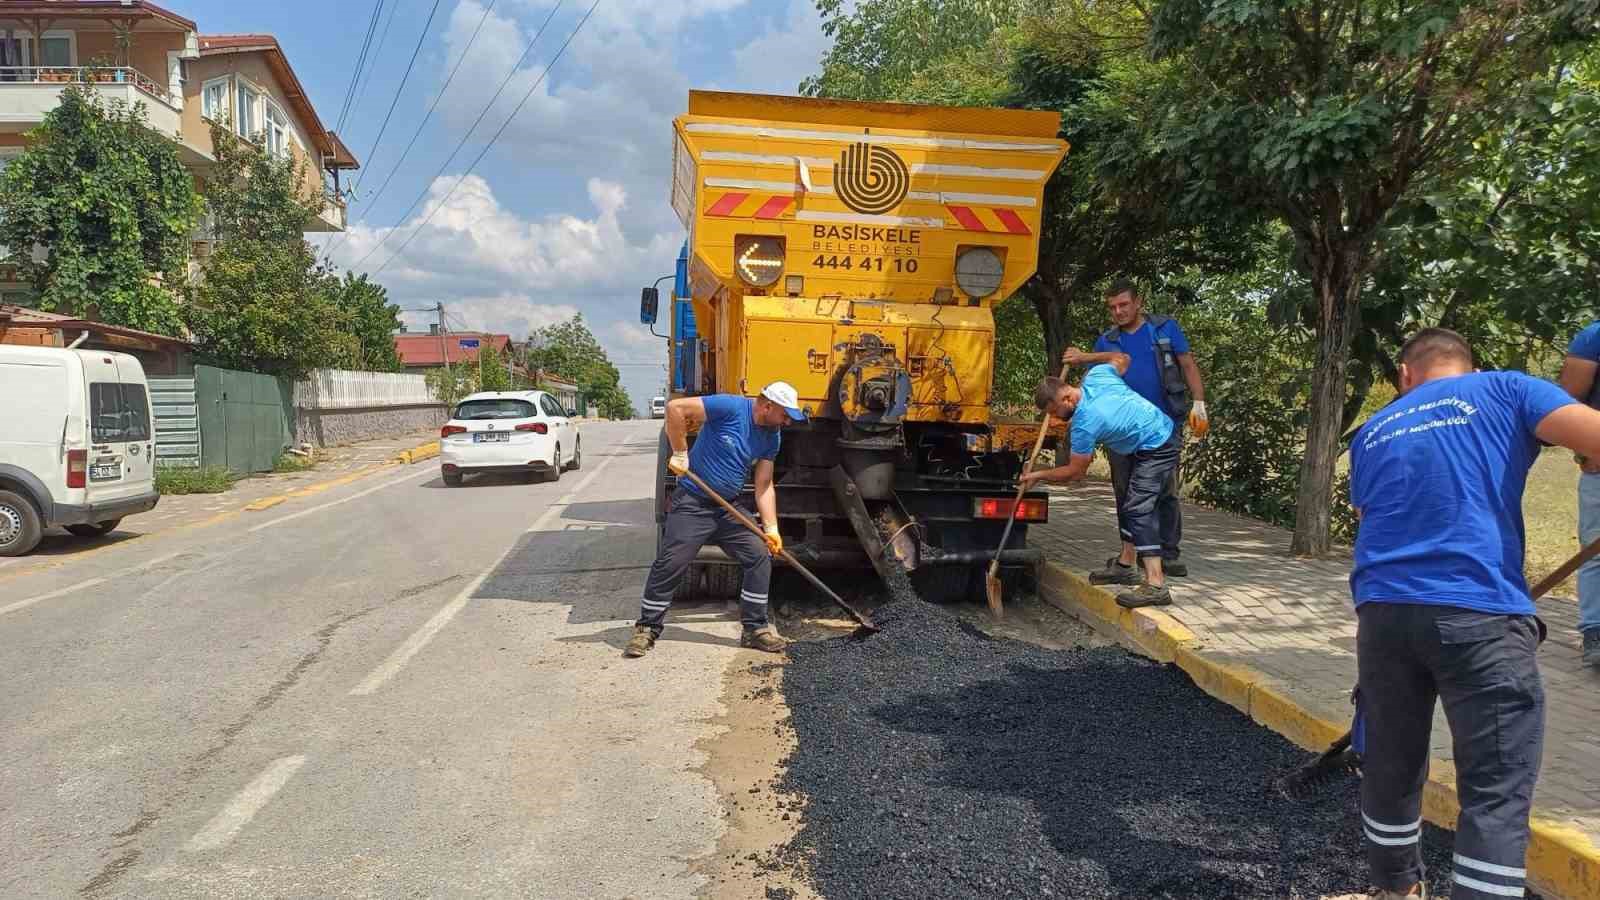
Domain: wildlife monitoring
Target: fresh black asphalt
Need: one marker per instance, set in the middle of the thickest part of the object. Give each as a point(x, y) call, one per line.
point(937, 762)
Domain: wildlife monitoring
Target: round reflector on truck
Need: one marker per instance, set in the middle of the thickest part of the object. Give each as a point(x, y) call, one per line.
point(758, 259)
point(979, 271)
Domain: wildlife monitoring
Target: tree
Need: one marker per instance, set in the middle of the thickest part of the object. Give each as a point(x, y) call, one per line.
point(1332, 114)
point(111, 206)
point(569, 349)
point(491, 370)
point(366, 314)
point(260, 304)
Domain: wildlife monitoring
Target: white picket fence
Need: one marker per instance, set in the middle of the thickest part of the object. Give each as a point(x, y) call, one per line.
point(339, 389)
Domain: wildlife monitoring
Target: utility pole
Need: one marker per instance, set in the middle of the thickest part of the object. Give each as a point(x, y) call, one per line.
point(444, 355)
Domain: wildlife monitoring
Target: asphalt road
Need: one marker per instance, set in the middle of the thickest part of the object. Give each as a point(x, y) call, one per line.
point(390, 689)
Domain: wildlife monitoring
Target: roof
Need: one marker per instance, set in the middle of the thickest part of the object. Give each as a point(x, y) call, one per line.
point(27, 317)
point(335, 153)
point(422, 350)
point(134, 9)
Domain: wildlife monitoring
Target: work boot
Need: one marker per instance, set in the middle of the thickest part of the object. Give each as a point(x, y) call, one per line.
point(644, 638)
point(1174, 568)
point(765, 639)
point(1145, 595)
point(1115, 573)
point(1591, 647)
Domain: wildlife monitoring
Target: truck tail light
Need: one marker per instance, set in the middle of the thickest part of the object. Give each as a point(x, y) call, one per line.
point(535, 427)
point(77, 468)
point(452, 429)
point(1028, 510)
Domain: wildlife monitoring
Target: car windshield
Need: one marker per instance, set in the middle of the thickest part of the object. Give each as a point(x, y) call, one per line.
point(497, 408)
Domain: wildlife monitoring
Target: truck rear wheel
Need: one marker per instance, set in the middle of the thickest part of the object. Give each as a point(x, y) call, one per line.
point(20, 528)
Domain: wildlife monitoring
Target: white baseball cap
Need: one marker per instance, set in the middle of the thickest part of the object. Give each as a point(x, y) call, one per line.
point(783, 394)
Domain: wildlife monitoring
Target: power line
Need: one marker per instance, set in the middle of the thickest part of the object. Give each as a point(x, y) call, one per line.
point(403, 79)
point(377, 53)
point(486, 147)
point(426, 116)
point(361, 59)
point(515, 67)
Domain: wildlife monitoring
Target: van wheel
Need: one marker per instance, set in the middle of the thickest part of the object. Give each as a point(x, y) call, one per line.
point(98, 529)
point(20, 528)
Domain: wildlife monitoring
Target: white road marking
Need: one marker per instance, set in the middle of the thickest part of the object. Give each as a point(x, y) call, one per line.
point(420, 638)
point(245, 804)
point(356, 496)
point(92, 582)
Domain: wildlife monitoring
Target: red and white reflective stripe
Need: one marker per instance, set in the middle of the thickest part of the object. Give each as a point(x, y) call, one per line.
point(977, 218)
point(774, 208)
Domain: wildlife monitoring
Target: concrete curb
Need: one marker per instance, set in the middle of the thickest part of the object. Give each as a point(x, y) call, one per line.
point(403, 458)
point(1563, 863)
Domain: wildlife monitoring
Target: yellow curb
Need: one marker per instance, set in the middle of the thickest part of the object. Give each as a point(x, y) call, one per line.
point(265, 503)
point(418, 454)
point(1563, 863)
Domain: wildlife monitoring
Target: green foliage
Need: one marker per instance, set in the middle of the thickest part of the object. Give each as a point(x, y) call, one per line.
point(261, 304)
point(491, 370)
point(293, 462)
point(112, 204)
point(452, 384)
point(881, 46)
point(366, 314)
point(569, 349)
point(208, 480)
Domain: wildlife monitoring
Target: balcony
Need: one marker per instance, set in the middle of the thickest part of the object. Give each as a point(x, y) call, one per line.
point(27, 93)
point(332, 216)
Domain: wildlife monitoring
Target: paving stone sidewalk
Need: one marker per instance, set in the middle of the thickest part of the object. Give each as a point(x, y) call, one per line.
point(1252, 604)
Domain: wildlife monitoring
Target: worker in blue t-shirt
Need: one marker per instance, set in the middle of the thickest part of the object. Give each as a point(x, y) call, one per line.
point(1444, 612)
point(1162, 371)
point(736, 434)
point(1578, 378)
point(1103, 410)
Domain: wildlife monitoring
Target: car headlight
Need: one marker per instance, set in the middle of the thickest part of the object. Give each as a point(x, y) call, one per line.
point(979, 271)
point(758, 259)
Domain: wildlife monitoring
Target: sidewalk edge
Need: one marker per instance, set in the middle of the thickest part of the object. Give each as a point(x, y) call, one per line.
point(1563, 863)
point(405, 457)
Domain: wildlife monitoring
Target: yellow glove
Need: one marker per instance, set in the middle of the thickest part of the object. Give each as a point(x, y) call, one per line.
point(1199, 422)
point(679, 463)
point(773, 539)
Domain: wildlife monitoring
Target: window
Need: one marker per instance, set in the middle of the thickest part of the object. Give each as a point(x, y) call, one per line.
point(497, 408)
point(277, 131)
point(214, 100)
point(55, 51)
point(551, 407)
point(118, 413)
point(248, 124)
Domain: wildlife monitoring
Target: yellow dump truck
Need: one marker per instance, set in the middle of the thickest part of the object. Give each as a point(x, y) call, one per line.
point(856, 251)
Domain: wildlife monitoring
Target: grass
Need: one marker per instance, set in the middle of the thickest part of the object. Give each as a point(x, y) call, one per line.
point(209, 480)
point(292, 462)
point(1550, 510)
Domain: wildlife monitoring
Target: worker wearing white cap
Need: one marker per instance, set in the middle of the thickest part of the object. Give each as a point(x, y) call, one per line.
point(736, 434)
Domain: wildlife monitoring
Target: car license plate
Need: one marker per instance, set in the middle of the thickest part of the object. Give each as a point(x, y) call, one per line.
point(491, 437)
point(109, 472)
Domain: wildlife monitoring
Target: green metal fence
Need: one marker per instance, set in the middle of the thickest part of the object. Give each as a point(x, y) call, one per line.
point(244, 423)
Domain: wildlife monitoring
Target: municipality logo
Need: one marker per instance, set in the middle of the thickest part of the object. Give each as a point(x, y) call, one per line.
point(871, 179)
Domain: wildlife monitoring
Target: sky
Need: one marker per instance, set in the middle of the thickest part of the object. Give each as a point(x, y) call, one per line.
point(567, 211)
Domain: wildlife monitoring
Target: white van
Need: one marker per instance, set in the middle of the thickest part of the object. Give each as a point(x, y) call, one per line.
point(77, 443)
point(658, 407)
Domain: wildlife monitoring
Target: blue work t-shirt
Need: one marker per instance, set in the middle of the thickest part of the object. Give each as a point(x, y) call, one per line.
point(729, 443)
point(1438, 476)
point(1586, 345)
point(1144, 369)
point(1111, 413)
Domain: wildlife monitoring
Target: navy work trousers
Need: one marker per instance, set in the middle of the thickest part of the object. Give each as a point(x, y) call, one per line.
point(1483, 668)
point(1169, 511)
point(692, 522)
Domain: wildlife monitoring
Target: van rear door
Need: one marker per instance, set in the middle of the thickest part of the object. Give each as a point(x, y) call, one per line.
point(120, 435)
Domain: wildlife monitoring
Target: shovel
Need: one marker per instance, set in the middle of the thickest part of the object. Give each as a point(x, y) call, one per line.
point(861, 618)
point(1341, 758)
point(991, 584)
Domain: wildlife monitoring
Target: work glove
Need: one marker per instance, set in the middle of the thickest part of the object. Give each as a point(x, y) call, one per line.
point(1199, 422)
point(679, 463)
point(774, 540)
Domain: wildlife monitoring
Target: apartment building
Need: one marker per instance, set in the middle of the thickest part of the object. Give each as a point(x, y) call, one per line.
point(139, 52)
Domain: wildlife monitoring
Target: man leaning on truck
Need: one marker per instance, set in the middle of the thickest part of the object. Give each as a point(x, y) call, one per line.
point(735, 433)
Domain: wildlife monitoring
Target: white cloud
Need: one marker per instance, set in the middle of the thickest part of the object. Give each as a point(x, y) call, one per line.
point(776, 62)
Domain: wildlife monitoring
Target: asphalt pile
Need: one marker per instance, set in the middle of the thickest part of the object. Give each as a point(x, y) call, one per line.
point(939, 762)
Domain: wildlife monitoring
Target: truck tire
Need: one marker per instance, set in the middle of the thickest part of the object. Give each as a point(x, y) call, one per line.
point(97, 529)
point(20, 528)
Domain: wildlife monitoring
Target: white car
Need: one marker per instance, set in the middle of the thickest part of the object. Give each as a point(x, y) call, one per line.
point(658, 407)
point(77, 449)
point(526, 432)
